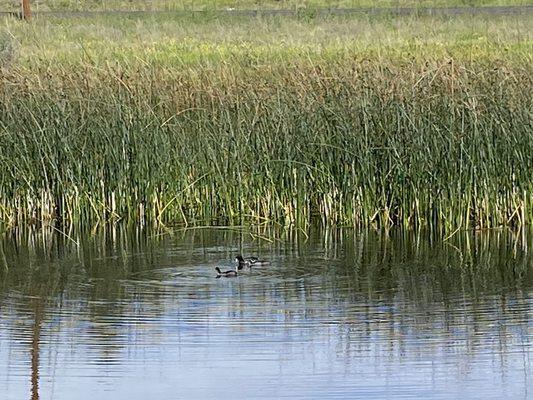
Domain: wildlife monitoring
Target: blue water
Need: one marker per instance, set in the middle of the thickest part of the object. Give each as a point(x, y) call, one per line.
point(335, 315)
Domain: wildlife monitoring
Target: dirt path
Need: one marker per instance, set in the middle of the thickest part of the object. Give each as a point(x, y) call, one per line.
point(497, 10)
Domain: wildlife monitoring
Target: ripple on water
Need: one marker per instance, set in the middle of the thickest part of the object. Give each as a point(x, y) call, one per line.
point(307, 326)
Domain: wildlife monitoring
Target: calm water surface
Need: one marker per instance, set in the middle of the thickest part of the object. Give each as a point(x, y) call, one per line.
point(338, 314)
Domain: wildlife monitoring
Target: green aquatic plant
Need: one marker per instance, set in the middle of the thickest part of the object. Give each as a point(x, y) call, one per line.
point(203, 131)
point(356, 141)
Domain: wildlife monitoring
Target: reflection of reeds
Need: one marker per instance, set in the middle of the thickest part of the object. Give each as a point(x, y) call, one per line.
point(35, 346)
point(397, 295)
point(416, 264)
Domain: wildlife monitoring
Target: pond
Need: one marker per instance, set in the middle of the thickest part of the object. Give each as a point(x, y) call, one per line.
point(338, 313)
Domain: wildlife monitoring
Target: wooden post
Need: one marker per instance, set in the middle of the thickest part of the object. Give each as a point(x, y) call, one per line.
point(26, 12)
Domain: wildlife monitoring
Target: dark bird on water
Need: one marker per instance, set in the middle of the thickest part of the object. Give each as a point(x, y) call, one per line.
point(226, 274)
point(249, 262)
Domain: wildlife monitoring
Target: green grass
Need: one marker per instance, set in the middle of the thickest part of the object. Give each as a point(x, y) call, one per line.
point(182, 40)
point(408, 121)
point(197, 5)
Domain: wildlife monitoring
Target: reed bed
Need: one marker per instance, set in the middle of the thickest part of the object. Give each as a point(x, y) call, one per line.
point(241, 134)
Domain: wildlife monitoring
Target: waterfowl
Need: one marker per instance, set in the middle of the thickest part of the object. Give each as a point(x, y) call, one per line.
point(227, 274)
point(249, 262)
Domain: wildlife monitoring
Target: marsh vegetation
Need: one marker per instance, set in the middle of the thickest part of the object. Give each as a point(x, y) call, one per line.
point(413, 121)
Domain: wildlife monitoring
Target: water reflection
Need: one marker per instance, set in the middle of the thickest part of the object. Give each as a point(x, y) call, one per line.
point(340, 313)
point(35, 341)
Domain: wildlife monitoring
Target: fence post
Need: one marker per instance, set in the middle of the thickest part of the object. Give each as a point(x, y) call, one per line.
point(26, 11)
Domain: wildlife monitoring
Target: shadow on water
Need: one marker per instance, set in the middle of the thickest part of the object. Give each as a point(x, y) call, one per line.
point(36, 337)
point(338, 313)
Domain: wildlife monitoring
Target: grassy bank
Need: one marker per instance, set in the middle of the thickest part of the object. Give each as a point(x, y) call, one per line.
point(209, 5)
point(417, 121)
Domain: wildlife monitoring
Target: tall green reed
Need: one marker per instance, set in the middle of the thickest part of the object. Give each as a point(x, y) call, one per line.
point(362, 140)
